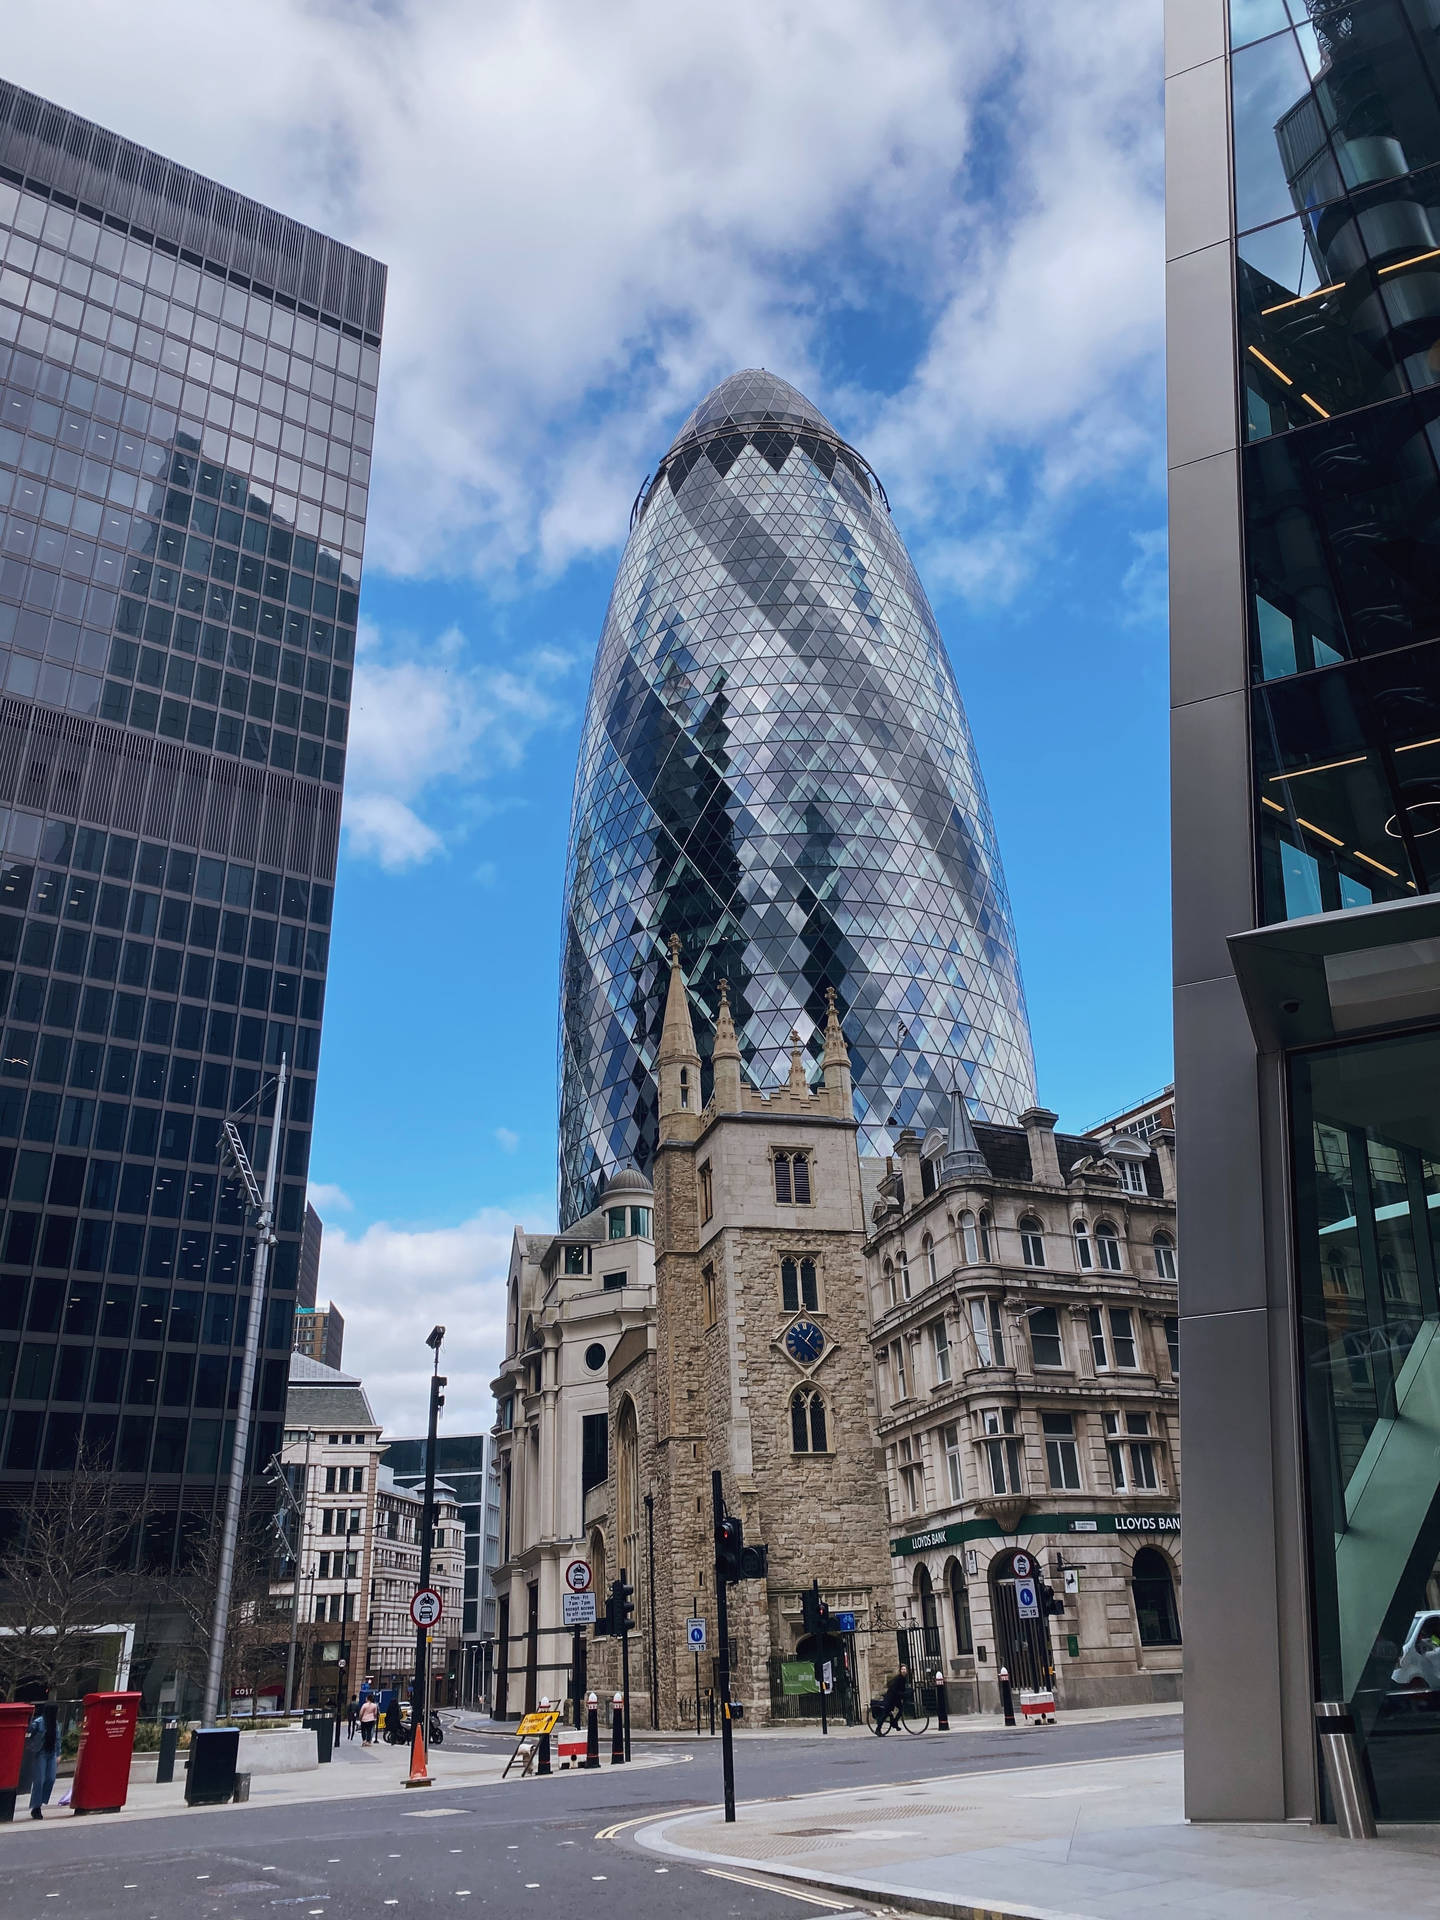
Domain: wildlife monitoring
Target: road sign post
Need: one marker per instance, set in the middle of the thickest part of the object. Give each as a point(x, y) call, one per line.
point(722, 1627)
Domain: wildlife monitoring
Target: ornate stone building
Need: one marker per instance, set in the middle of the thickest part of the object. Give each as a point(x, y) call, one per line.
point(1023, 1300)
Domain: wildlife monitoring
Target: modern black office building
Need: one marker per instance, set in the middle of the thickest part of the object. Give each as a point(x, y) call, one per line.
point(776, 767)
point(187, 390)
point(1303, 225)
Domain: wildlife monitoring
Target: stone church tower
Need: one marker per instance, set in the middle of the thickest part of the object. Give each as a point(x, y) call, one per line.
point(758, 1364)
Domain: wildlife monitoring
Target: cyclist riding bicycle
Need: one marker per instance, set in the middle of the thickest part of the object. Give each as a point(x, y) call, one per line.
point(894, 1695)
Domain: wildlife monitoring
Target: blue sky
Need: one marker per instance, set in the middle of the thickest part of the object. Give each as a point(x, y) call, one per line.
point(940, 223)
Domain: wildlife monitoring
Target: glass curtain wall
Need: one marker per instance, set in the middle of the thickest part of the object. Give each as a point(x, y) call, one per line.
point(1367, 1150)
point(1337, 186)
point(183, 477)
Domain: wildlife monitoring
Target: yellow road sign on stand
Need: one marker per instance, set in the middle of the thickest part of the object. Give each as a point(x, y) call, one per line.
point(535, 1724)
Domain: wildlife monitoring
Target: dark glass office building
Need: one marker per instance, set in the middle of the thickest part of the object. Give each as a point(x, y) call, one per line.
point(1303, 211)
point(776, 767)
point(187, 390)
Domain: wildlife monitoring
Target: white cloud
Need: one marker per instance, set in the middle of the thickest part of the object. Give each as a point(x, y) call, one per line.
point(434, 720)
point(1144, 590)
point(506, 1140)
point(394, 1283)
point(328, 1199)
point(592, 213)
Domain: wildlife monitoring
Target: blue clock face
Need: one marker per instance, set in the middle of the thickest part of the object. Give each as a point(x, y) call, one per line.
point(805, 1342)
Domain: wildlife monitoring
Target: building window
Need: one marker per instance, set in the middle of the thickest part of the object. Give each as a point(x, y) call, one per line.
point(1032, 1241)
point(931, 1273)
point(951, 1437)
point(1084, 1252)
point(1132, 1453)
point(574, 1259)
point(792, 1179)
point(904, 1275)
point(891, 1296)
point(912, 1475)
point(1122, 1337)
point(1166, 1267)
point(985, 1236)
point(989, 1334)
point(940, 1339)
point(1153, 1586)
point(902, 1384)
point(1108, 1243)
point(617, 1218)
point(707, 1193)
point(1172, 1341)
point(1062, 1462)
point(684, 1087)
point(1047, 1349)
point(807, 1421)
point(594, 1451)
point(708, 1306)
point(960, 1609)
point(640, 1222)
point(799, 1285)
point(1097, 1340)
point(1002, 1451)
point(969, 1239)
point(615, 1282)
point(1132, 1175)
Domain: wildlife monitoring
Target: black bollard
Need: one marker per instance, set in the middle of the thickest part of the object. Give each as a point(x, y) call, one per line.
point(942, 1705)
point(592, 1731)
point(617, 1731)
point(712, 1713)
point(1007, 1697)
point(542, 1765)
point(169, 1741)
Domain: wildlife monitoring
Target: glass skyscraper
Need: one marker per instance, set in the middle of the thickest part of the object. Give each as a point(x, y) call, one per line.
point(1303, 218)
point(187, 390)
point(776, 767)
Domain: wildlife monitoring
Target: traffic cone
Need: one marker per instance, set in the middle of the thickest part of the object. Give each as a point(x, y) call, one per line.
point(419, 1770)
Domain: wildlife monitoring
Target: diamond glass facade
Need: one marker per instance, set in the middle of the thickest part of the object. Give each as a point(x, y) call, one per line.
point(776, 766)
point(187, 385)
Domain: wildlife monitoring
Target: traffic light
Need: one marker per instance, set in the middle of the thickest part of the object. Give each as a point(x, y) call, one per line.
point(754, 1562)
point(814, 1612)
point(604, 1627)
point(730, 1548)
point(622, 1607)
point(1050, 1601)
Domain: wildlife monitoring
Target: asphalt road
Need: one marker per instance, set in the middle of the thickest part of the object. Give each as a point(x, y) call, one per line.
point(497, 1848)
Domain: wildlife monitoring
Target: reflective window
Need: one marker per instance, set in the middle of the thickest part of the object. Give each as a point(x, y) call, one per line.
point(1152, 1586)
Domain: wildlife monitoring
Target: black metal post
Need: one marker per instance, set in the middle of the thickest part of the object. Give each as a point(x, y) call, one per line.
point(542, 1765)
point(1007, 1697)
point(617, 1730)
point(420, 1712)
point(592, 1732)
point(722, 1626)
point(343, 1665)
point(650, 1581)
point(625, 1670)
point(694, 1614)
point(579, 1678)
point(169, 1742)
point(820, 1639)
point(942, 1703)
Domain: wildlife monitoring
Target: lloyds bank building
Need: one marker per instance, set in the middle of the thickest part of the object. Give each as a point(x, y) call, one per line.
point(1303, 228)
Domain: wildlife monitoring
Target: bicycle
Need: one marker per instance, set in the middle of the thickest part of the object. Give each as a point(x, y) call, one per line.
point(909, 1714)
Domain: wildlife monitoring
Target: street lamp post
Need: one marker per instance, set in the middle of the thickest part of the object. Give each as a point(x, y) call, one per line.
point(301, 1528)
point(342, 1666)
point(420, 1716)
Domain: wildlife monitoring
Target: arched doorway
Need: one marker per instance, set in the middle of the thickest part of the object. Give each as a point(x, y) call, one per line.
point(1152, 1582)
point(1022, 1646)
point(959, 1607)
point(927, 1614)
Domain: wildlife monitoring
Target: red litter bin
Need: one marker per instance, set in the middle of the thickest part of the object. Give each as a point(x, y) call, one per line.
point(14, 1719)
point(107, 1740)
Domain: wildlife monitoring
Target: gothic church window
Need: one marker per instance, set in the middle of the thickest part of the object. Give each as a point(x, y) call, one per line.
point(807, 1421)
point(707, 1193)
point(792, 1179)
point(799, 1285)
point(707, 1295)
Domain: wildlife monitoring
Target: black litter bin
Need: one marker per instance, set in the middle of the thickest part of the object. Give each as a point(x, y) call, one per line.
point(324, 1730)
point(169, 1743)
point(210, 1781)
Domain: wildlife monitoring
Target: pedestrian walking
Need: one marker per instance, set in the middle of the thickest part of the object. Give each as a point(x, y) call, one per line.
point(353, 1719)
point(42, 1754)
point(369, 1714)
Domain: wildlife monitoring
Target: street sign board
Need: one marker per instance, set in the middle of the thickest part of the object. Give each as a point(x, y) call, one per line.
point(578, 1609)
point(426, 1608)
point(578, 1576)
point(843, 1622)
point(1022, 1566)
point(827, 1676)
point(695, 1635)
point(1072, 1580)
point(534, 1724)
point(1027, 1601)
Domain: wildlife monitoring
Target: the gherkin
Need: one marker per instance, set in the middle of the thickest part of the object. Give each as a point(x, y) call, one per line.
point(776, 767)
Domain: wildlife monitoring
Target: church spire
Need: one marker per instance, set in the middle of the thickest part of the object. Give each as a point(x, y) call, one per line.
point(836, 1060)
point(726, 1057)
point(963, 1158)
point(797, 1083)
point(677, 1064)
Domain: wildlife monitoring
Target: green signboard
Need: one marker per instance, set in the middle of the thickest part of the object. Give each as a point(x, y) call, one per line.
point(964, 1530)
point(798, 1676)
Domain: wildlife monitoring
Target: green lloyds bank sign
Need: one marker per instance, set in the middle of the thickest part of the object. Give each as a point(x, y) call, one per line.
point(960, 1531)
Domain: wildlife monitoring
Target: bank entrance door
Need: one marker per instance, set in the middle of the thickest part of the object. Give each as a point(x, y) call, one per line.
point(1021, 1646)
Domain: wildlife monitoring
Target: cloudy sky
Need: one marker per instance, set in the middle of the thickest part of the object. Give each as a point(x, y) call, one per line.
point(941, 222)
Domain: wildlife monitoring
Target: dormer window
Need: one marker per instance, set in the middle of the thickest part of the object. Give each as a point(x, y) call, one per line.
point(1132, 1176)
